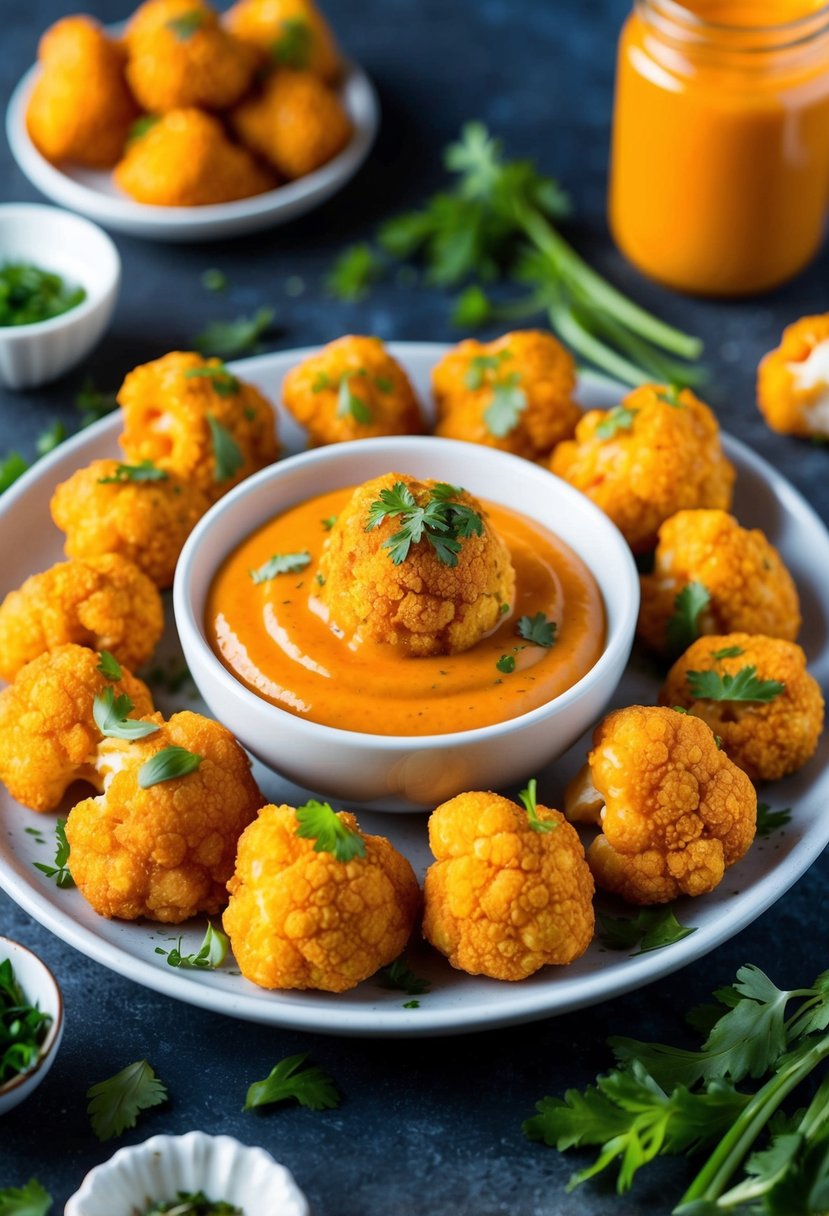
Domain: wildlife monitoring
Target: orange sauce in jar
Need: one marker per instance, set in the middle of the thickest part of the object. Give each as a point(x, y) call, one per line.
point(719, 178)
point(274, 636)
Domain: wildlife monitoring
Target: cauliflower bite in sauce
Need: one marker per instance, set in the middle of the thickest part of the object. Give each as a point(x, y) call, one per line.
point(186, 160)
point(655, 454)
point(103, 602)
point(793, 380)
point(80, 109)
point(48, 736)
point(756, 694)
point(503, 898)
point(300, 918)
point(515, 394)
point(748, 587)
point(167, 850)
point(674, 811)
point(352, 389)
point(293, 33)
point(417, 596)
point(295, 122)
point(191, 416)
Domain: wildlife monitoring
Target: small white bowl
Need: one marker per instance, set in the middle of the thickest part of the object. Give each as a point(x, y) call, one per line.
point(156, 1170)
point(407, 773)
point(83, 255)
point(40, 988)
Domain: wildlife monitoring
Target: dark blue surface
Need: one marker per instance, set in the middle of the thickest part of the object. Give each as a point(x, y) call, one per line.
point(426, 1127)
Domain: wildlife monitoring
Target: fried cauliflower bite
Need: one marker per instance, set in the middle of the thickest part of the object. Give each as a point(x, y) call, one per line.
point(293, 33)
point(421, 605)
point(80, 109)
point(351, 389)
point(655, 454)
point(750, 589)
point(793, 380)
point(190, 416)
point(48, 736)
point(675, 812)
point(503, 899)
point(295, 122)
point(767, 739)
point(515, 394)
point(104, 602)
point(302, 919)
point(186, 160)
point(165, 852)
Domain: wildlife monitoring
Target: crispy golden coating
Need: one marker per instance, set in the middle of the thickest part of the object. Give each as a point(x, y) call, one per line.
point(292, 33)
point(186, 160)
point(104, 602)
point(301, 919)
point(502, 899)
point(295, 122)
point(793, 380)
point(515, 394)
point(168, 407)
point(165, 852)
point(674, 811)
point(766, 739)
point(144, 521)
point(421, 605)
point(657, 454)
point(80, 109)
point(750, 588)
point(48, 736)
point(352, 389)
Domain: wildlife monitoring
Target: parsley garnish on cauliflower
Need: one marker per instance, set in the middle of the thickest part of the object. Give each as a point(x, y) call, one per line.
point(292, 33)
point(793, 380)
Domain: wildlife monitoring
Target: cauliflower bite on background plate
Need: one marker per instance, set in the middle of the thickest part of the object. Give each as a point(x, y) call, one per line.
point(793, 380)
point(292, 33)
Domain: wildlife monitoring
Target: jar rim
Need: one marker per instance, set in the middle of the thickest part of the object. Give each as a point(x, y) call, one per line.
point(780, 34)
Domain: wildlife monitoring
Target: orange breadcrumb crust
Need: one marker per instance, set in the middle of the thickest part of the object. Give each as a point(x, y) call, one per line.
point(289, 32)
point(295, 122)
point(787, 408)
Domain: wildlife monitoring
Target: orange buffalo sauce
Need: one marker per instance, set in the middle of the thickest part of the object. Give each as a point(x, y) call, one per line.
point(719, 178)
point(274, 637)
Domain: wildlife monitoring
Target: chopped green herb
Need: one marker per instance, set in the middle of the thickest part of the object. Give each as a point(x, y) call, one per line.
point(226, 451)
point(649, 929)
point(60, 870)
point(442, 522)
point(472, 309)
point(506, 663)
point(29, 295)
point(477, 374)
point(23, 1027)
point(329, 522)
point(114, 1104)
point(620, 418)
point(353, 272)
point(281, 563)
point(769, 821)
point(384, 384)
point(728, 652)
point(231, 339)
point(193, 1203)
point(744, 686)
point(12, 466)
point(185, 26)
point(671, 396)
point(683, 628)
point(401, 978)
point(144, 471)
point(93, 404)
point(214, 280)
point(317, 821)
point(504, 609)
point(320, 579)
point(110, 714)
point(529, 798)
point(310, 1087)
point(141, 127)
point(537, 629)
point(48, 440)
point(292, 49)
point(167, 765)
point(508, 403)
point(28, 1200)
point(223, 381)
point(210, 954)
point(348, 403)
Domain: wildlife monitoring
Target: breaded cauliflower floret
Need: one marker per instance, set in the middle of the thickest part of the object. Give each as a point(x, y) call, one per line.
point(298, 918)
point(674, 811)
point(422, 604)
point(104, 602)
point(750, 589)
point(295, 122)
point(293, 33)
point(767, 739)
point(144, 521)
point(655, 454)
point(503, 899)
point(793, 380)
point(186, 160)
point(48, 736)
point(515, 394)
point(168, 407)
point(80, 109)
point(351, 389)
point(165, 852)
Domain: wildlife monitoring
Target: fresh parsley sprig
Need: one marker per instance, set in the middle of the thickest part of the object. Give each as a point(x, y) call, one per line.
point(280, 563)
point(109, 667)
point(110, 714)
point(28, 1200)
point(538, 629)
point(310, 1087)
point(114, 1104)
point(650, 929)
point(743, 686)
point(319, 822)
point(443, 522)
point(232, 339)
point(60, 870)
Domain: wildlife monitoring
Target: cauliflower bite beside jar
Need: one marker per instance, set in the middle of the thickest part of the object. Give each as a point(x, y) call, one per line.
point(141, 512)
point(161, 840)
point(300, 917)
point(80, 109)
point(742, 583)
point(655, 454)
point(674, 811)
point(793, 380)
point(295, 122)
point(515, 394)
point(48, 735)
point(192, 417)
point(437, 595)
point(103, 602)
point(351, 389)
point(293, 33)
point(510, 891)
point(756, 694)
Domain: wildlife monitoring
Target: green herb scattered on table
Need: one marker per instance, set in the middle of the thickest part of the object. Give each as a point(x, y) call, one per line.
point(310, 1087)
point(29, 295)
point(281, 563)
point(231, 339)
point(210, 954)
point(214, 279)
point(353, 273)
point(93, 404)
point(49, 439)
point(22, 1027)
point(193, 1203)
point(28, 1200)
point(442, 522)
point(12, 466)
point(114, 1104)
point(319, 822)
point(650, 929)
point(60, 870)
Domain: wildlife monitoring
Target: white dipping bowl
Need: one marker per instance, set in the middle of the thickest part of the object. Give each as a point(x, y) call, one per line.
point(407, 773)
point(40, 988)
point(82, 254)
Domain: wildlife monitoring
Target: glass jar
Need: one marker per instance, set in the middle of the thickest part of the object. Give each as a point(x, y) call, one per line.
point(719, 179)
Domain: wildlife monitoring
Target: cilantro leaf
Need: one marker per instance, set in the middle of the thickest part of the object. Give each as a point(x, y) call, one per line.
point(231, 339)
point(683, 627)
point(744, 686)
point(210, 954)
point(353, 273)
point(193, 1203)
point(537, 629)
point(769, 821)
point(224, 383)
point(214, 279)
point(727, 652)
point(51, 438)
point(317, 821)
point(310, 1087)
point(145, 470)
point(479, 367)
point(28, 1200)
point(167, 765)
point(108, 666)
point(620, 418)
point(141, 127)
point(60, 870)
point(328, 522)
point(649, 929)
point(441, 522)
point(185, 26)
point(226, 452)
point(472, 309)
point(110, 714)
point(528, 797)
point(281, 563)
point(671, 396)
point(348, 403)
point(399, 977)
point(293, 47)
point(114, 1104)
point(12, 466)
point(508, 403)
point(506, 664)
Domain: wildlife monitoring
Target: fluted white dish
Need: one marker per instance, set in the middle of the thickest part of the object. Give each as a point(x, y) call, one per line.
point(40, 988)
